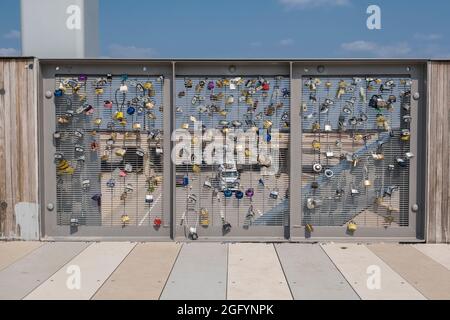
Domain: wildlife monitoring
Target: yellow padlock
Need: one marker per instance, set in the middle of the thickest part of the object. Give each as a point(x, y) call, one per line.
point(247, 152)
point(352, 227)
point(99, 91)
point(309, 228)
point(185, 126)
point(119, 116)
point(98, 121)
point(223, 113)
point(148, 85)
point(125, 219)
point(316, 145)
point(316, 126)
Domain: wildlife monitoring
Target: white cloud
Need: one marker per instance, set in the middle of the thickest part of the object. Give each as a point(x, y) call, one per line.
point(12, 34)
point(120, 51)
point(313, 3)
point(9, 52)
point(287, 42)
point(400, 49)
point(428, 37)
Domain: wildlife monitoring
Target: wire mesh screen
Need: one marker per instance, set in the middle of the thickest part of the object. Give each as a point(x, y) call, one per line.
point(356, 151)
point(242, 194)
point(109, 150)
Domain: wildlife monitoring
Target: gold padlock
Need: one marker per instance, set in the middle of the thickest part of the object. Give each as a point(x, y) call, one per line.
point(223, 113)
point(99, 91)
point(196, 168)
point(105, 155)
point(120, 152)
point(150, 105)
point(247, 152)
point(137, 126)
point(267, 124)
point(125, 219)
point(309, 228)
point(316, 126)
point(367, 183)
point(148, 85)
point(98, 121)
point(316, 145)
point(352, 227)
point(185, 126)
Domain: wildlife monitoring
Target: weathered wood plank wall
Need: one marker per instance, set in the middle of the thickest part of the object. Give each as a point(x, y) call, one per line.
point(18, 149)
point(438, 150)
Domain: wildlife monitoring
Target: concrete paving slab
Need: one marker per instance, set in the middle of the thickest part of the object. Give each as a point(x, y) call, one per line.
point(312, 275)
point(199, 273)
point(359, 265)
point(429, 277)
point(255, 273)
point(92, 267)
point(23, 276)
point(12, 251)
point(438, 252)
point(142, 275)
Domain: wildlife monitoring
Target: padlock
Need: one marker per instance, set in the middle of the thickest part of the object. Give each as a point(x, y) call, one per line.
point(99, 91)
point(131, 110)
point(140, 152)
point(123, 88)
point(342, 89)
point(129, 188)
point(354, 192)
point(367, 183)
point(78, 134)
point(228, 193)
point(378, 156)
point(137, 126)
point(157, 222)
point(98, 121)
point(196, 168)
point(314, 185)
point(185, 126)
point(149, 105)
point(128, 168)
point(148, 85)
point(230, 100)
point(95, 146)
point(120, 152)
point(125, 219)
point(86, 184)
point(329, 173)
point(267, 124)
point(328, 128)
point(274, 194)
point(401, 162)
point(193, 233)
point(329, 154)
point(188, 83)
point(239, 194)
point(406, 135)
point(312, 203)
point(316, 145)
point(409, 155)
point(149, 198)
point(59, 92)
point(352, 227)
point(207, 184)
point(79, 149)
point(226, 227)
point(316, 126)
point(111, 183)
point(119, 116)
point(107, 104)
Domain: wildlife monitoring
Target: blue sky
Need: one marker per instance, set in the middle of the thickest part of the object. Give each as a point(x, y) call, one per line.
point(259, 29)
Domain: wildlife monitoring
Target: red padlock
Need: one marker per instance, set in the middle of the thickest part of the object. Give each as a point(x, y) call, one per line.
point(266, 86)
point(157, 222)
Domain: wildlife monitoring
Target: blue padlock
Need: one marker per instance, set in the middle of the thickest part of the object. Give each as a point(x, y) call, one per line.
point(185, 181)
point(59, 93)
point(131, 110)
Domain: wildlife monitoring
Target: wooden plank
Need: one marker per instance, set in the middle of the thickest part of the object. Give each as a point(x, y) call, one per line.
point(3, 212)
point(20, 278)
point(429, 277)
point(438, 252)
point(10, 252)
point(95, 264)
point(438, 150)
point(255, 273)
point(143, 274)
point(312, 275)
point(200, 273)
point(355, 261)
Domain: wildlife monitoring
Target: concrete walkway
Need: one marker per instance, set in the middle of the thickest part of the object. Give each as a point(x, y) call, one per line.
point(204, 271)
